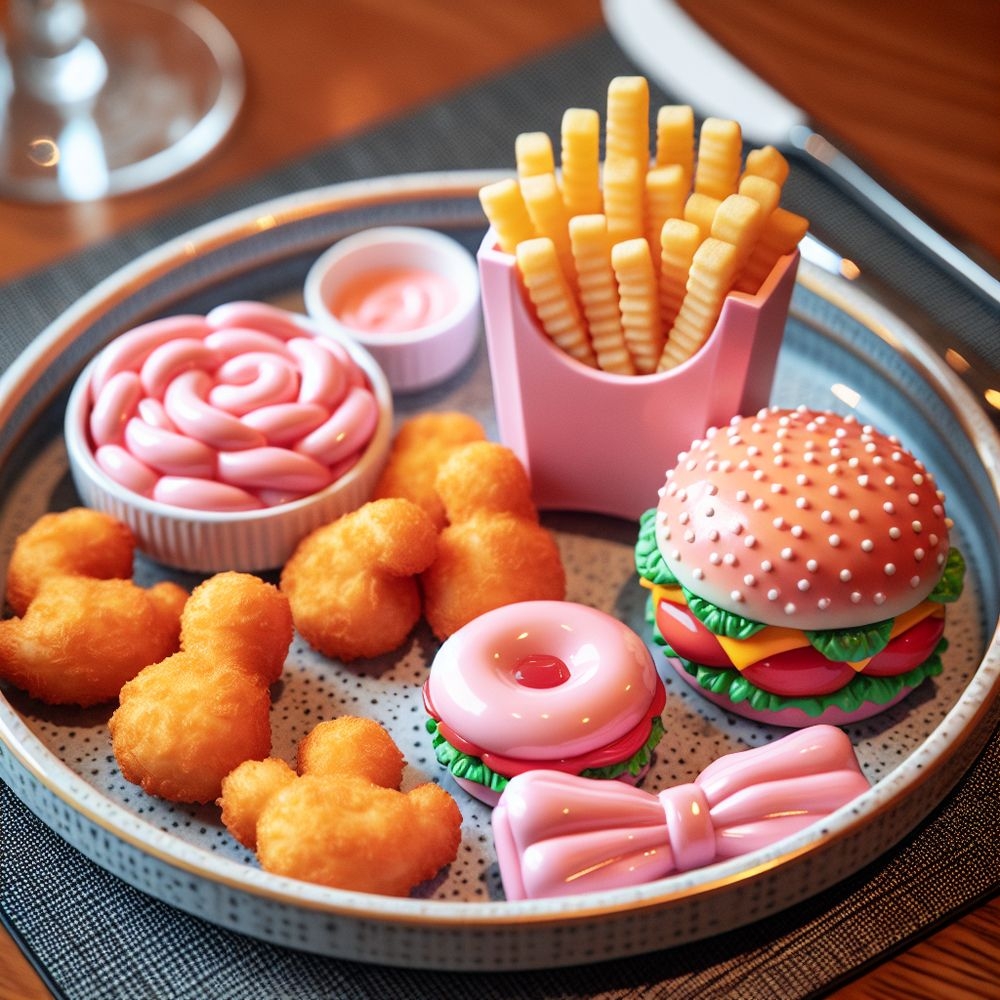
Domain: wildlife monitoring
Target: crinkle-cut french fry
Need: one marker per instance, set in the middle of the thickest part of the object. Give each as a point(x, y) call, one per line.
point(666, 192)
point(700, 209)
point(763, 190)
point(549, 217)
point(720, 156)
point(767, 162)
point(675, 139)
point(504, 206)
point(553, 299)
point(712, 271)
point(580, 160)
point(739, 220)
point(780, 234)
point(624, 197)
point(598, 290)
point(627, 122)
point(678, 242)
point(639, 299)
point(533, 154)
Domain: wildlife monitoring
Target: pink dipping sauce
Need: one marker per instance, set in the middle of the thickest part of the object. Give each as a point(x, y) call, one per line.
point(394, 300)
point(238, 410)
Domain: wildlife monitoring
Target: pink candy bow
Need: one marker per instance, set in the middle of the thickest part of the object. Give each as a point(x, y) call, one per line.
point(559, 834)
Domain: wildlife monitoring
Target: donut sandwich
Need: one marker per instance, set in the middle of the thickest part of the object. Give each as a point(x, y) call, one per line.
point(543, 685)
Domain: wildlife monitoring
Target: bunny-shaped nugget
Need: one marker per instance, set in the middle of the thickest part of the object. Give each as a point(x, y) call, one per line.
point(84, 628)
point(493, 551)
point(351, 583)
point(341, 820)
point(184, 723)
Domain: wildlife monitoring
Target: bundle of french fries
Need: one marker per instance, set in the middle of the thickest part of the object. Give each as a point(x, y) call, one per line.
point(627, 264)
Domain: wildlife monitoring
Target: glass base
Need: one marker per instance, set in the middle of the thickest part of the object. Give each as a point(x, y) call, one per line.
point(172, 90)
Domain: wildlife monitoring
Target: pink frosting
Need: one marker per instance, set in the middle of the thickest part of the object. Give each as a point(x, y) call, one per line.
point(542, 680)
point(237, 410)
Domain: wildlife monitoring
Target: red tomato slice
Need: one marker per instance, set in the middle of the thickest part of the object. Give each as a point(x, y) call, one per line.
point(688, 637)
point(799, 673)
point(907, 650)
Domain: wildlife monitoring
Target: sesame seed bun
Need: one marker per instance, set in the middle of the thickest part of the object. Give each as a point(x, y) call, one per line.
point(802, 518)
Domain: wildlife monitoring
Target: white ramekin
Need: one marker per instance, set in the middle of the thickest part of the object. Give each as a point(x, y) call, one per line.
point(414, 359)
point(210, 541)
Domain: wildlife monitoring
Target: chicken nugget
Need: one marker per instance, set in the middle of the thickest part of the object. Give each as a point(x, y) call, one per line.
point(493, 551)
point(351, 583)
point(421, 444)
point(81, 639)
point(184, 723)
point(342, 831)
point(245, 792)
point(239, 617)
point(74, 542)
point(352, 745)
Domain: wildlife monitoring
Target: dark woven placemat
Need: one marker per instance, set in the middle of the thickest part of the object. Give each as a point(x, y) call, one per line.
point(94, 936)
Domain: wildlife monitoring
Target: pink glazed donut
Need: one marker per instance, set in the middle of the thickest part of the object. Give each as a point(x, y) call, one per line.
point(543, 684)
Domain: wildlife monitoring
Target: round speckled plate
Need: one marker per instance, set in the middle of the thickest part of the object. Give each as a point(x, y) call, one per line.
point(841, 351)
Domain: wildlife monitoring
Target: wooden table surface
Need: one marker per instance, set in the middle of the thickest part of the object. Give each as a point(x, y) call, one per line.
point(912, 85)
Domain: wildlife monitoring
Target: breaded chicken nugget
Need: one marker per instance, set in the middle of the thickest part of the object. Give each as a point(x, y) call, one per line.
point(493, 551)
point(238, 616)
point(81, 639)
point(245, 792)
point(421, 444)
point(184, 723)
point(352, 745)
point(341, 820)
point(74, 542)
point(343, 831)
point(351, 583)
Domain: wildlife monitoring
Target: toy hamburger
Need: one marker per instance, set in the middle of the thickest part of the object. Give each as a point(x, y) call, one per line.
point(800, 565)
point(543, 685)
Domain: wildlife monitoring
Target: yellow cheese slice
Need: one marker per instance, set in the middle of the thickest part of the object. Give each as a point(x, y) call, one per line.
point(774, 639)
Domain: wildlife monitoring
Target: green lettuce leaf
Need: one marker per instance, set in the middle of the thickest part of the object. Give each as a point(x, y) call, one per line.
point(462, 765)
point(718, 620)
point(861, 689)
point(949, 587)
point(649, 562)
point(851, 644)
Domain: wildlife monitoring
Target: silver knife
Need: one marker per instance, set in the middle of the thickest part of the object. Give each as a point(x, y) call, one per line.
point(683, 59)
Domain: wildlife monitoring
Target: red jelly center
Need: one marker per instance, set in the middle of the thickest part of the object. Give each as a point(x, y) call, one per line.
point(541, 670)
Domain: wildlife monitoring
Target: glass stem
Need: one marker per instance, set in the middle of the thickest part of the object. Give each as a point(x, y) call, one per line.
point(51, 56)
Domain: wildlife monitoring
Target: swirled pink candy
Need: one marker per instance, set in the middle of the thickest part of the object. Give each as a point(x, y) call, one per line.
point(237, 410)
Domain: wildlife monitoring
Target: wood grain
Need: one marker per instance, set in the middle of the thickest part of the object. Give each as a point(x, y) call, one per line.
point(912, 85)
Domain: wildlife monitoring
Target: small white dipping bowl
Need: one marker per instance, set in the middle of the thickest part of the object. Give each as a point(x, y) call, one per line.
point(212, 541)
point(416, 358)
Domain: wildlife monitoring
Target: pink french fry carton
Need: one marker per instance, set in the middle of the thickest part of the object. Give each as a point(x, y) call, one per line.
point(599, 442)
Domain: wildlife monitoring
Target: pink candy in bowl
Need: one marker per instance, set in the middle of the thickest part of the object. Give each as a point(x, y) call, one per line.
point(222, 439)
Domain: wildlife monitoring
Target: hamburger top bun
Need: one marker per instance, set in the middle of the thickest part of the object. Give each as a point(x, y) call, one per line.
point(806, 519)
